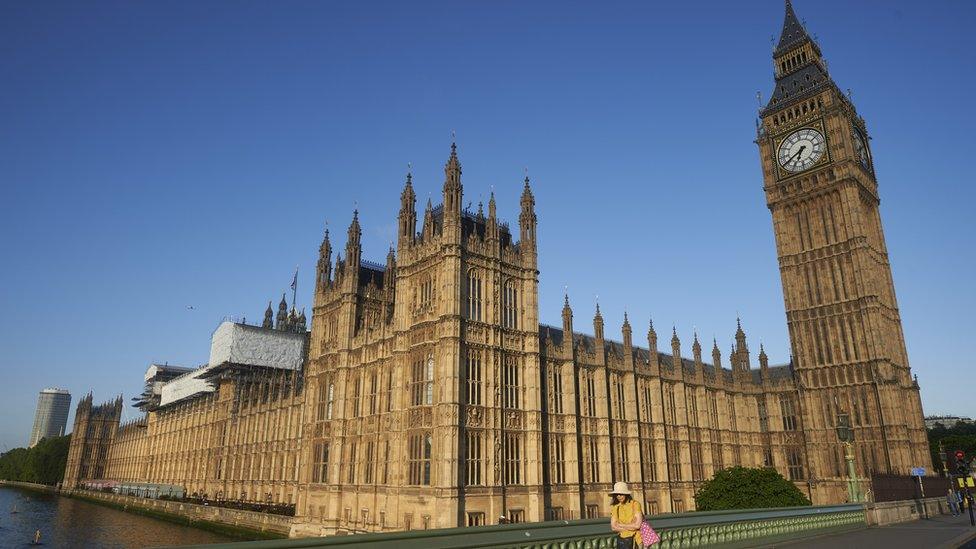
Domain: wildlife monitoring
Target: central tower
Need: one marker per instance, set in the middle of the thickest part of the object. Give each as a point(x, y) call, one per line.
point(424, 407)
point(845, 330)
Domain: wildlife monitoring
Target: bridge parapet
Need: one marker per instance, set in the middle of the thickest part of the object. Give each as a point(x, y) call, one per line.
point(742, 528)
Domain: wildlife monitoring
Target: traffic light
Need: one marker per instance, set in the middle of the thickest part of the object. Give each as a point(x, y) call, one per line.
point(962, 465)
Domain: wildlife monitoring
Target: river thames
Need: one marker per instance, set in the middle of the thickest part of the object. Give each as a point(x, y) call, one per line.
point(66, 522)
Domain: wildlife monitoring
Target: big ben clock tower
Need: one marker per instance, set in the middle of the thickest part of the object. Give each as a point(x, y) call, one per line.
point(845, 330)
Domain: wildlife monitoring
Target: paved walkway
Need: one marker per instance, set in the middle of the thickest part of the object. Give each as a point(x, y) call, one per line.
point(939, 531)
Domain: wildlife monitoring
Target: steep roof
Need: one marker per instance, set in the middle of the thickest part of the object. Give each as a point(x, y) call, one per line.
point(793, 32)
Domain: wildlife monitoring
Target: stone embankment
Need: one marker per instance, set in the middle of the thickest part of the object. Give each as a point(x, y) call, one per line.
point(234, 522)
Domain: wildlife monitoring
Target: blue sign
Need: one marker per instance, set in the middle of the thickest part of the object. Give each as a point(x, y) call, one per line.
point(918, 471)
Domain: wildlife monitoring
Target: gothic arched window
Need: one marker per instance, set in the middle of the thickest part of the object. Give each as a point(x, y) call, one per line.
point(510, 305)
point(475, 285)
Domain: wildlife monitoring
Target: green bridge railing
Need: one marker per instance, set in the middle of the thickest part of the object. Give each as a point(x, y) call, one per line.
point(725, 528)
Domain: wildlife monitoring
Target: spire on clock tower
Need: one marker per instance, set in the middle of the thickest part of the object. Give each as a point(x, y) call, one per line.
point(793, 33)
point(799, 66)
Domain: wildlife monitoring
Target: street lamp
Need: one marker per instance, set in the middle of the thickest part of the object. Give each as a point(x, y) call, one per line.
point(846, 435)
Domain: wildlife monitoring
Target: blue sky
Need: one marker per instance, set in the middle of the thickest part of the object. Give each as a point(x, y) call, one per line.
point(160, 155)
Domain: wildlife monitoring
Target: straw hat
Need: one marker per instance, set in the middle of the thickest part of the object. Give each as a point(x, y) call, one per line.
point(620, 488)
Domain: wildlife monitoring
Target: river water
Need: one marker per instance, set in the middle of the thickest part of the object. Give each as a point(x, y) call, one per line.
point(70, 523)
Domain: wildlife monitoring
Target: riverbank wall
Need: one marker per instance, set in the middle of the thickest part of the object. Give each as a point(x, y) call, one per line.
point(30, 486)
point(231, 522)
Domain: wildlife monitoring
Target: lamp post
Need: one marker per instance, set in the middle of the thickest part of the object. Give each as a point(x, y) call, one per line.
point(846, 435)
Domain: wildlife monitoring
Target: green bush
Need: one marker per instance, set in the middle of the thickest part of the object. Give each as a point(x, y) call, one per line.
point(744, 488)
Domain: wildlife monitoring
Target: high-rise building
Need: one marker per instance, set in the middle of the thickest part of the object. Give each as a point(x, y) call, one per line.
point(51, 416)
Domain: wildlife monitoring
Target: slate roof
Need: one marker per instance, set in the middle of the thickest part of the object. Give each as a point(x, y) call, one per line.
point(473, 223)
point(371, 272)
point(806, 81)
point(793, 32)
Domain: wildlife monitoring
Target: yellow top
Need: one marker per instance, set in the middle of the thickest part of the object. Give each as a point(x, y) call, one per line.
point(624, 513)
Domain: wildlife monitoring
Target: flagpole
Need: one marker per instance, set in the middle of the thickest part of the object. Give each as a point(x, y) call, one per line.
point(294, 288)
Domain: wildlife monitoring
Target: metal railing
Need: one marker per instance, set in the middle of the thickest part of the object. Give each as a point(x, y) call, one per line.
point(731, 529)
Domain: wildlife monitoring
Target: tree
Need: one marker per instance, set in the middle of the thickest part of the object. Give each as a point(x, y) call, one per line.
point(745, 488)
point(961, 436)
point(42, 464)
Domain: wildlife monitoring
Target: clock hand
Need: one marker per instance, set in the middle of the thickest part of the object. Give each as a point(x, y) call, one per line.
point(797, 153)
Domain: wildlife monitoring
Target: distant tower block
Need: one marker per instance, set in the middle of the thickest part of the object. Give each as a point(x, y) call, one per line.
point(51, 416)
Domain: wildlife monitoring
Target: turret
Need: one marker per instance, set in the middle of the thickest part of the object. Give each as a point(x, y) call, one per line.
point(408, 213)
point(452, 189)
point(676, 351)
point(492, 225)
point(281, 322)
point(599, 342)
point(323, 275)
point(741, 348)
point(763, 363)
point(652, 347)
point(696, 352)
point(428, 229)
point(628, 343)
point(390, 267)
point(268, 317)
point(389, 279)
point(354, 249)
point(598, 326)
point(527, 218)
point(567, 327)
point(716, 357)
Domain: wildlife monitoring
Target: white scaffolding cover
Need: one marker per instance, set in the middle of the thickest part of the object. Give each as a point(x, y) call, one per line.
point(254, 346)
point(238, 344)
point(184, 386)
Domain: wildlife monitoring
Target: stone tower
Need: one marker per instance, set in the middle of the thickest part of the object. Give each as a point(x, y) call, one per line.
point(425, 372)
point(843, 320)
point(92, 436)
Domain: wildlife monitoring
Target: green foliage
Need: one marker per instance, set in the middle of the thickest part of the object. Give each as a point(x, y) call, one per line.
point(961, 436)
point(42, 464)
point(745, 488)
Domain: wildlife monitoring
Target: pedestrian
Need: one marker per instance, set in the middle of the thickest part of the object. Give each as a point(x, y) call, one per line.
point(959, 501)
point(626, 517)
point(953, 503)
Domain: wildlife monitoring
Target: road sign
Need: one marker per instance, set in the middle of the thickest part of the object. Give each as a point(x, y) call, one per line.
point(968, 481)
point(918, 471)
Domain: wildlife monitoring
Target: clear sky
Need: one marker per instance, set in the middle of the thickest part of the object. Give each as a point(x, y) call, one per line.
point(155, 156)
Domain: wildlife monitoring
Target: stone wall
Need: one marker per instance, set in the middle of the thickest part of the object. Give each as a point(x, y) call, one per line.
point(891, 512)
point(30, 486)
point(249, 520)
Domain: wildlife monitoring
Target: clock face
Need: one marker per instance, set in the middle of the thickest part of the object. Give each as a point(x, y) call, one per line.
point(801, 150)
point(861, 149)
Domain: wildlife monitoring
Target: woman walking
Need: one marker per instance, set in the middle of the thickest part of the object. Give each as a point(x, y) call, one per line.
point(625, 517)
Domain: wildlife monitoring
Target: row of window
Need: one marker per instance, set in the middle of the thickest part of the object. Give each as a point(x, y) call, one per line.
point(475, 309)
point(371, 463)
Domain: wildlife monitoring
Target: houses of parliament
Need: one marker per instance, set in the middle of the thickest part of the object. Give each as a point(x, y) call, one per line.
point(428, 395)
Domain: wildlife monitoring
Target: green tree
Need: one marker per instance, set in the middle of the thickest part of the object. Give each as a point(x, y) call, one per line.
point(42, 464)
point(961, 436)
point(745, 488)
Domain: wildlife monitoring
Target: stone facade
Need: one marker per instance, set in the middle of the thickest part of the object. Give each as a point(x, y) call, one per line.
point(432, 397)
point(92, 439)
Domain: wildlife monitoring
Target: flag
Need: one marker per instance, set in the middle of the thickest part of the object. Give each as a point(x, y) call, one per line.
point(294, 282)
